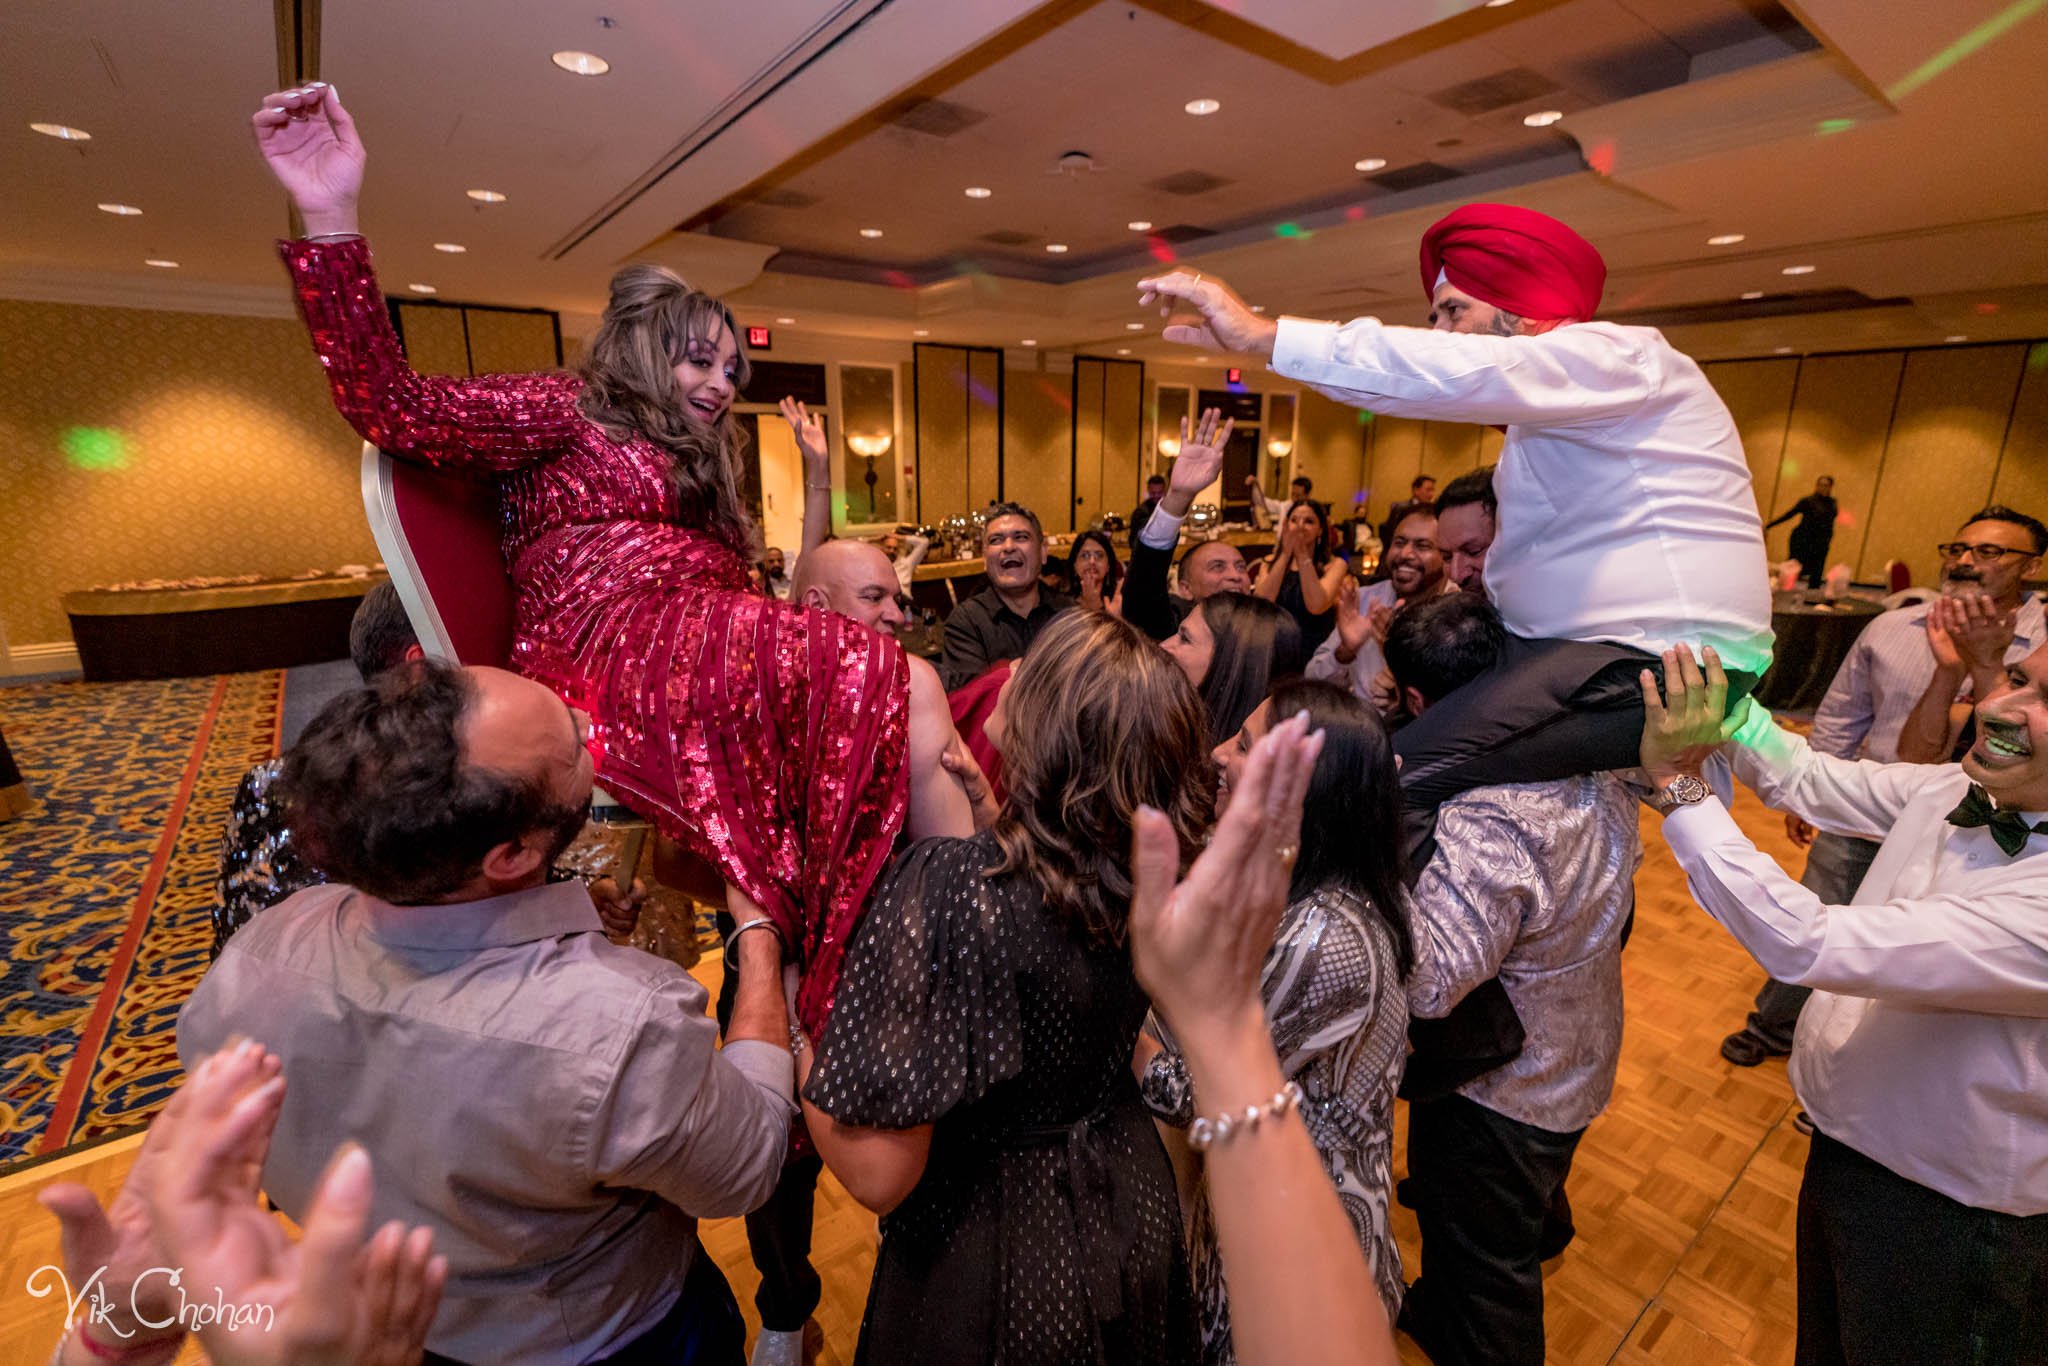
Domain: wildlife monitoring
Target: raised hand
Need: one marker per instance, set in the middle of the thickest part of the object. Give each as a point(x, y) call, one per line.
point(1354, 627)
point(310, 144)
point(810, 436)
point(1980, 629)
point(1941, 637)
point(1199, 462)
point(1202, 311)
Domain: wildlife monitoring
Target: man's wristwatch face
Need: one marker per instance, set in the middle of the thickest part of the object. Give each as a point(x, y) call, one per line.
point(1684, 790)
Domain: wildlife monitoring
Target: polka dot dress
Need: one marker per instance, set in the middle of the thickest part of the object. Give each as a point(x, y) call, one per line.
point(1045, 1229)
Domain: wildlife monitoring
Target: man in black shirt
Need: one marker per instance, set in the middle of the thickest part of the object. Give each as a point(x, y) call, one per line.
point(1155, 488)
point(1002, 620)
point(1816, 529)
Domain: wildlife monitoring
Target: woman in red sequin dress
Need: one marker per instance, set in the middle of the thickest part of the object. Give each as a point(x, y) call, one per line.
point(776, 742)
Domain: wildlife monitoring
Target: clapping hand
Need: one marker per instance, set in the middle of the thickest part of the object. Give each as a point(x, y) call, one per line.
point(1219, 320)
point(1976, 630)
point(1198, 943)
point(810, 437)
point(1691, 720)
point(310, 144)
point(1354, 627)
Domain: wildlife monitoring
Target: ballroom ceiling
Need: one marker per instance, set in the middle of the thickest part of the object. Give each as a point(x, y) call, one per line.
point(1894, 147)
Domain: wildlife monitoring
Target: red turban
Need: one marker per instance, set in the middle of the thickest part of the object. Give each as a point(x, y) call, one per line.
point(1517, 259)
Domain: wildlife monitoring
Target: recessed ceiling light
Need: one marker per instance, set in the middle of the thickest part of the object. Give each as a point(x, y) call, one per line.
point(160, 263)
point(62, 132)
point(120, 210)
point(1370, 164)
point(1134, 327)
point(486, 196)
point(1752, 294)
point(581, 63)
point(1258, 308)
point(1782, 350)
point(870, 232)
point(1496, 4)
point(1958, 337)
point(1123, 350)
point(1543, 118)
point(1199, 107)
point(1726, 239)
point(978, 192)
point(1029, 341)
point(1138, 225)
point(1056, 248)
point(452, 248)
point(422, 289)
point(786, 322)
point(1797, 270)
point(920, 331)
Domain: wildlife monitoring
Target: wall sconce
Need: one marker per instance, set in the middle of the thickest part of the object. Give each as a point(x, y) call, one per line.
point(1279, 449)
point(870, 446)
point(1169, 446)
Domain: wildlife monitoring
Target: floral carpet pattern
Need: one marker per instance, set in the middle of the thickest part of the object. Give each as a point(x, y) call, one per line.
point(105, 888)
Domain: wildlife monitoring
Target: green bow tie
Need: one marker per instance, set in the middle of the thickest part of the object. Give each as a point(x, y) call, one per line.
point(2009, 828)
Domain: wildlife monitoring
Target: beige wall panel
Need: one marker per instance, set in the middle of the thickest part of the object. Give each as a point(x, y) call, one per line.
point(1396, 460)
point(1839, 416)
point(433, 340)
point(1123, 437)
point(1038, 452)
point(510, 341)
point(1329, 447)
point(2023, 469)
point(984, 428)
point(1449, 449)
point(1490, 442)
point(941, 390)
point(1759, 397)
point(1943, 453)
point(146, 445)
point(1087, 387)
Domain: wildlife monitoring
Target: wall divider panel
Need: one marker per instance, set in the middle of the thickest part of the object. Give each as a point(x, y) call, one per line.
point(1841, 413)
point(1759, 397)
point(2022, 480)
point(957, 416)
point(1108, 438)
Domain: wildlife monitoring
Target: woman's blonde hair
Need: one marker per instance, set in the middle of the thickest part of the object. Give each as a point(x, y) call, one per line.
point(630, 389)
point(1097, 721)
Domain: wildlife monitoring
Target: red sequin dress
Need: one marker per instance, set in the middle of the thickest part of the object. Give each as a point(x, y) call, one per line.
point(771, 739)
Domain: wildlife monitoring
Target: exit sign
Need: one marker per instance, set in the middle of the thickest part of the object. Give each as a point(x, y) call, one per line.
point(759, 339)
point(1233, 376)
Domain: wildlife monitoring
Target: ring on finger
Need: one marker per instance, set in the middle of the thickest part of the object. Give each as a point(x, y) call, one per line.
point(1288, 854)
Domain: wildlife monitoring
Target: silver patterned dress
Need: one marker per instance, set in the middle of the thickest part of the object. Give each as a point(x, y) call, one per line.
point(1339, 1013)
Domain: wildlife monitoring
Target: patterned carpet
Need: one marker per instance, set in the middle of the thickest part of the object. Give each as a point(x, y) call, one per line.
point(104, 890)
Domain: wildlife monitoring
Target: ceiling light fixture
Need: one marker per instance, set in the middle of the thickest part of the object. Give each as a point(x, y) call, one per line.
point(62, 132)
point(422, 289)
point(1056, 248)
point(1726, 239)
point(1030, 341)
point(1798, 270)
point(452, 248)
point(1370, 164)
point(920, 331)
point(1542, 118)
point(581, 63)
point(1958, 337)
point(1258, 308)
point(120, 210)
point(1781, 350)
point(1123, 350)
point(1134, 327)
point(871, 232)
point(160, 263)
point(486, 196)
point(978, 192)
point(785, 322)
point(1138, 225)
point(1201, 107)
point(1496, 4)
point(1752, 294)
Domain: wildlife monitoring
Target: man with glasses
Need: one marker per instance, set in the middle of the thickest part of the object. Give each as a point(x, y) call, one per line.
point(1865, 715)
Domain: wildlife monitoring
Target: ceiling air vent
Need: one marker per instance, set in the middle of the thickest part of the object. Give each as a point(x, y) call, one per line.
point(1414, 176)
point(1516, 85)
point(1189, 183)
point(784, 198)
point(1006, 237)
point(938, 118)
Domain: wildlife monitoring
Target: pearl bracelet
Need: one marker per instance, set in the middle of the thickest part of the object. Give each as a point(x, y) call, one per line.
point(1204, 1132)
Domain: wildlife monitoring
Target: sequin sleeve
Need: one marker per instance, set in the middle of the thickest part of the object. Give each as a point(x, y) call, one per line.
point(487, 422)
point(927, 1016)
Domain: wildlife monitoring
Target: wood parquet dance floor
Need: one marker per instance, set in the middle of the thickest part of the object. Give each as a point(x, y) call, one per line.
point(1684, 1191)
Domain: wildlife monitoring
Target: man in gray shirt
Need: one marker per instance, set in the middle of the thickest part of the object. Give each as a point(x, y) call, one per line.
point(1532, 883)
point(552, 1105)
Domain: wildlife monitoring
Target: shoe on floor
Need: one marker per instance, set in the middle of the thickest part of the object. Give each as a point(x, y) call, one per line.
point(778, 1347)
point(1745, 1049)
point(1803, 1122)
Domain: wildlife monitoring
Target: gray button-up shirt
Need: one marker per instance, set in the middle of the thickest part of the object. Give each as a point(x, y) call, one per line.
point(1532, 883)
point(553, 1105)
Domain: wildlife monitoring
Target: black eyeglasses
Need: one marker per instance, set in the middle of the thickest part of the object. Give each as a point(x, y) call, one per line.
point(1982, 554)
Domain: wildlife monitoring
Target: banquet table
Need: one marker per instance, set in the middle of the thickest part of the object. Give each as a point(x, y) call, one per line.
point(1813, 640)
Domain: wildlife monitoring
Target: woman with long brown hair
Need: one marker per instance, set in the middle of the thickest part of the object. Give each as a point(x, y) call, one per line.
point(974, 1086)
point(773, 741)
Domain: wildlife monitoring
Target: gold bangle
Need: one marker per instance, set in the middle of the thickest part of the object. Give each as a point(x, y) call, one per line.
point(1204, 1132)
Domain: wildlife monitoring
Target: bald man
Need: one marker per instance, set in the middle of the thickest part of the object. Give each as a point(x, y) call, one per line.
point(1627, 524)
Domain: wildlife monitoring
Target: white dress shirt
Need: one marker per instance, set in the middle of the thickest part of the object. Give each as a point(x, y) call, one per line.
point(914, 549)
point(1626, 512)
point(1925, 1043)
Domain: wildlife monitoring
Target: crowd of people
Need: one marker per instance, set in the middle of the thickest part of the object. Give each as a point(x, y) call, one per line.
point(1093, 957)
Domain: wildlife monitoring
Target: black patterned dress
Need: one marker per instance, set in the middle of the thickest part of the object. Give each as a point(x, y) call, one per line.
point(1340, 1023)
point(1045, 1228)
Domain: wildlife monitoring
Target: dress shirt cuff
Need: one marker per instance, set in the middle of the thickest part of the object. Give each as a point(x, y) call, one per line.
point(769, 1068)
point(1161, 530)
point(1302, 343)
point(1694, 828)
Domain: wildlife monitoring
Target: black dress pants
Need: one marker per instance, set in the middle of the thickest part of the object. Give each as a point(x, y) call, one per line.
point(1892, 1273)
point(1483, 1185)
